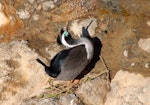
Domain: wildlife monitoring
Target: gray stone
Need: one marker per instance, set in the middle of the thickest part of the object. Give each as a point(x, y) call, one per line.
point(21, 76)
point(133, 64)
point(36, 17)
point(70, 99)
point(93, 92)
point(76, 26)
point(48, 5)
point(49, 101)
point(144, 44)
point(125, 53)
point(129, 89)
point(23, 14)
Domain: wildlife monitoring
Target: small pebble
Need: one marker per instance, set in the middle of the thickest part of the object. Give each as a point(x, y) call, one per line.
point(23, 14)
point(125, 53)
point(48, 5)
point(36, 17)
point(147, 65)
point(148, 23)
point(39, 7)
point(132, 64)
point(144, 44)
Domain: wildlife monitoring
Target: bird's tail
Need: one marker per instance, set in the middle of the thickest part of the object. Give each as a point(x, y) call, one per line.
point(38, 60)
point(48, 70)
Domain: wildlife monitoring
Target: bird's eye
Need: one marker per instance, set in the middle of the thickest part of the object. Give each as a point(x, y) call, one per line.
point(65, 33)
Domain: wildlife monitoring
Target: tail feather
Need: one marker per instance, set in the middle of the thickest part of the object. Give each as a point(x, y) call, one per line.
point(38, 60)
point(48, 70)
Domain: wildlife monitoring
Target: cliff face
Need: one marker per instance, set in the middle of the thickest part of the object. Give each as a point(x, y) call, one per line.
point(19, 77)
point(29, 28)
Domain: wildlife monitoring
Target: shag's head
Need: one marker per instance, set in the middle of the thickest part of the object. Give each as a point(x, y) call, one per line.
point(63, 33)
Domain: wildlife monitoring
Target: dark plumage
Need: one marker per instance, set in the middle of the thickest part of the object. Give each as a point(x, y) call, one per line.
point(69, 63)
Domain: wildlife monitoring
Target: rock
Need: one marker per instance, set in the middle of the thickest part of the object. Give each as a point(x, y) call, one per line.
point(148, 23)
point(133, 64)
point(93, 92)
point(144, 44)
point(76, 26)
point(70, 99)
point(125, 53)
point(59, 2)
point(122, 23)
point(21, 76)
point(55, 1)
point(147, 65)
point(49, 101)
point(129, 89)
point(23, 14)
point(3, 19)
point(52, 49)
point(36, 17)
point(31, 1)
point(48, 5)
point(114, 6)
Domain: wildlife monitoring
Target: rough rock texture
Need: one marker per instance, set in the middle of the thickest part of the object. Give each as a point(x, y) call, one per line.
point(3, 19)
point(90, 24)
point(144, 44)
point(48, 5)
point(70, 99)
point(129, 89)
point(93, 92)
point(21, 76)
point(123, 27)
point(41, 102)
point(23, 14)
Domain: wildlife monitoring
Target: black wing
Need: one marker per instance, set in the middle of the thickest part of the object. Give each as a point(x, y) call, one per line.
point(73, 63)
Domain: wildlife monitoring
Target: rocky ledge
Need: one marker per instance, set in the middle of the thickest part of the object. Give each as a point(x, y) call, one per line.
point(29, 28)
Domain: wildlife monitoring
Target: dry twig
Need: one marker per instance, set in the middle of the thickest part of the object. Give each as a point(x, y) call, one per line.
point(107, 71)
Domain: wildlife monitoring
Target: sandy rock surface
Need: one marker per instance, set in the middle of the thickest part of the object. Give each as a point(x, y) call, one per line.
point(129, 88)
point(29, 29)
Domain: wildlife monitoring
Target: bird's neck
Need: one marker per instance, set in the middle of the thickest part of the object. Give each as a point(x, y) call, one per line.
point(69, 42)
point(81, 41)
